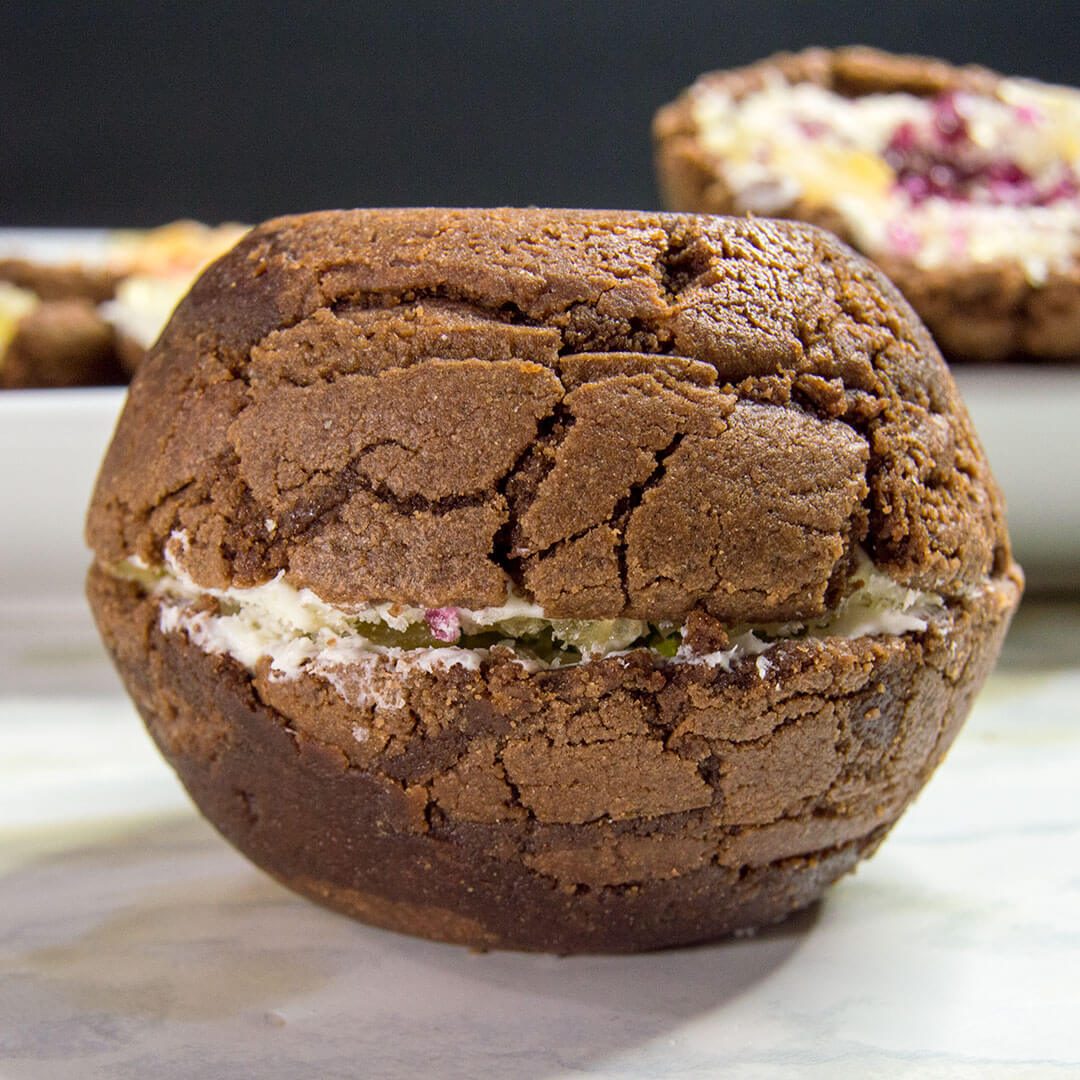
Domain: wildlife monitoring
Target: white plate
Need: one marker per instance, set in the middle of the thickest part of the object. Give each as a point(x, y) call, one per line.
point(55, 246)
point(51, 444)
point(1029, 421)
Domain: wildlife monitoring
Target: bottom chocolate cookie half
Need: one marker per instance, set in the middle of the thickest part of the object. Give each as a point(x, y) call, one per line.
point(622, 804)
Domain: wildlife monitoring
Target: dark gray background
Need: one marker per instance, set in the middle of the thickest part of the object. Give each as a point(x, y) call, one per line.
point(133, 114)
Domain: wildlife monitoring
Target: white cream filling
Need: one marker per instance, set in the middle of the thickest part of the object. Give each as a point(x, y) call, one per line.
point(301, 611)
point(790, 141)
point(879, 606)
point(299, 633)
point(144, 304)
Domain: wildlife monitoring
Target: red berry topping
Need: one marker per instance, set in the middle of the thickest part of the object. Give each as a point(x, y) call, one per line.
point(940, 160)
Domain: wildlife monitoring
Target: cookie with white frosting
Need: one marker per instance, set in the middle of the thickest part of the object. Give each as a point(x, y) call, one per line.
point(87, 323)
point(565, 580)
point(963, 185)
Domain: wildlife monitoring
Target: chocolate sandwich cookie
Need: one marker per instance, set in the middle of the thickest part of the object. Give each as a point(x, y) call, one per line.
point(963, 185)
point(557, 580)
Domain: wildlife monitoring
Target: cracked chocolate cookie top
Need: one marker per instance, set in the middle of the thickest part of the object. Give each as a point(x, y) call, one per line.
point(615, 413)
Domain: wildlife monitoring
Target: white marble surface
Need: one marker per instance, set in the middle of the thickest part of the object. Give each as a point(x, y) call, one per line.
point(135, 944)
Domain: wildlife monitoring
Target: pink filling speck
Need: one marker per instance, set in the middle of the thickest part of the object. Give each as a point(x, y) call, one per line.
point(904, 240)
point(904, 139)
point(813, 129)
point(443, 623)
point(958, 241)
point(949, 121)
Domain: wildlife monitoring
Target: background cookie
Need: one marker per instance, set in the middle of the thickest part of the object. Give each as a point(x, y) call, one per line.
point(963, 185)
point(89, 324)
point(53, 343)
point(560, 580)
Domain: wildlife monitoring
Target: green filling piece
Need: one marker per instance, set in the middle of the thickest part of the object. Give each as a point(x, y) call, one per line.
point(415, 636)
point(557, 642)
point(664, 641)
